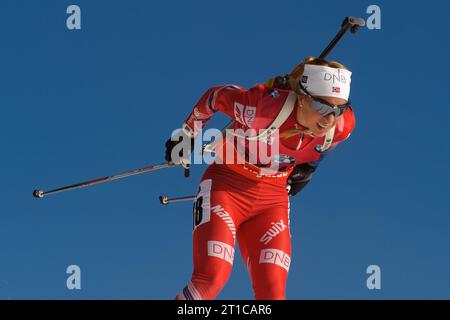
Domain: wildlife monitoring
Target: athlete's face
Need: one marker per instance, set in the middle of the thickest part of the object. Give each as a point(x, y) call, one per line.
point(313, 120)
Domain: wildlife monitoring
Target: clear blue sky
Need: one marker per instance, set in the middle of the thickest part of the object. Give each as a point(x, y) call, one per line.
point(77, 105)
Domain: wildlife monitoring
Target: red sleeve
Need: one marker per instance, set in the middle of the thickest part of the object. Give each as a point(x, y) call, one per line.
point(219, 98)
point(349, 125)
point(344, 134)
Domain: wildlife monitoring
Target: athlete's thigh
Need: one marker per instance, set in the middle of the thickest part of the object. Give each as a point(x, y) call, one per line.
point(265, 245)
point(214, 227)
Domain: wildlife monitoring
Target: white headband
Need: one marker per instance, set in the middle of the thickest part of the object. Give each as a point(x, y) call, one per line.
point(326, 81)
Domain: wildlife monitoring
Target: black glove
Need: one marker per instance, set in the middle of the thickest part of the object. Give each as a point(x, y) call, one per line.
point(179, 138)
point(300, 177)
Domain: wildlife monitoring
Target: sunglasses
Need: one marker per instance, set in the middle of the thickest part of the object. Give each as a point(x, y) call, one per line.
point(323, 107)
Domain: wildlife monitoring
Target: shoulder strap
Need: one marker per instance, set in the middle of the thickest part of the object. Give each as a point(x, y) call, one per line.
point(282, 116)
point(327, 142)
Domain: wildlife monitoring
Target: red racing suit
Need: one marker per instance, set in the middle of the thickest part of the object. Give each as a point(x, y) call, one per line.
point(234, 201)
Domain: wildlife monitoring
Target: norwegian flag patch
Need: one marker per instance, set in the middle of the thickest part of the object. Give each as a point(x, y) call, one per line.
point(337, 89)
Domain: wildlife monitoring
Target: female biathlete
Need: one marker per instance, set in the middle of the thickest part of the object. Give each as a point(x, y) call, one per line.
point(309, 113)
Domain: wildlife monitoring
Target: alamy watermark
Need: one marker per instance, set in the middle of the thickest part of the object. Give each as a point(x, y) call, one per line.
point(374, 20)
point(73, 21)
point(74, 280)
point(233, 146)
point(374, 280)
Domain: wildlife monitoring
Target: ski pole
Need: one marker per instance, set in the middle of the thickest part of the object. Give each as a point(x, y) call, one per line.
point(38, 193)
point(165, 200)
point(350, 23)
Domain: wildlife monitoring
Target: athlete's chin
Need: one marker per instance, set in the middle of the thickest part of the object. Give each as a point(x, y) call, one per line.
point(318, 130)
point(319, 133)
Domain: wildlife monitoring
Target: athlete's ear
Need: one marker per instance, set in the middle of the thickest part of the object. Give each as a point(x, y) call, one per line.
point(302, 99)
point(293, 83)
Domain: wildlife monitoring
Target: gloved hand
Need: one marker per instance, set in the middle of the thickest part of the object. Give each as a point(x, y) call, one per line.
point(300, 177)
point(179, 149)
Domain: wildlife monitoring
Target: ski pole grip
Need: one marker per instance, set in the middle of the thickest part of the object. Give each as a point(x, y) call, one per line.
point(164, 200)
point(356, 21)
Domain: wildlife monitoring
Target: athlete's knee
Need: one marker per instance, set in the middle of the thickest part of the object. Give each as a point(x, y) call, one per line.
point(211, 283)
point(190, 292)
point(271, 291)
point(271, 295)
point(204, 286)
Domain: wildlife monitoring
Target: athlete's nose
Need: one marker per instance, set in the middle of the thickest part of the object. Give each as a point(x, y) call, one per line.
point(330, 118)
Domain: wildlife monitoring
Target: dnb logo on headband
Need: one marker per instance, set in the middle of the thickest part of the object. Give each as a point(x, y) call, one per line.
point(340, 78)
point(327, 81)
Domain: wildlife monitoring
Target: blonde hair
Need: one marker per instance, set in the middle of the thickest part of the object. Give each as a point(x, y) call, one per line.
point(287, 82)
